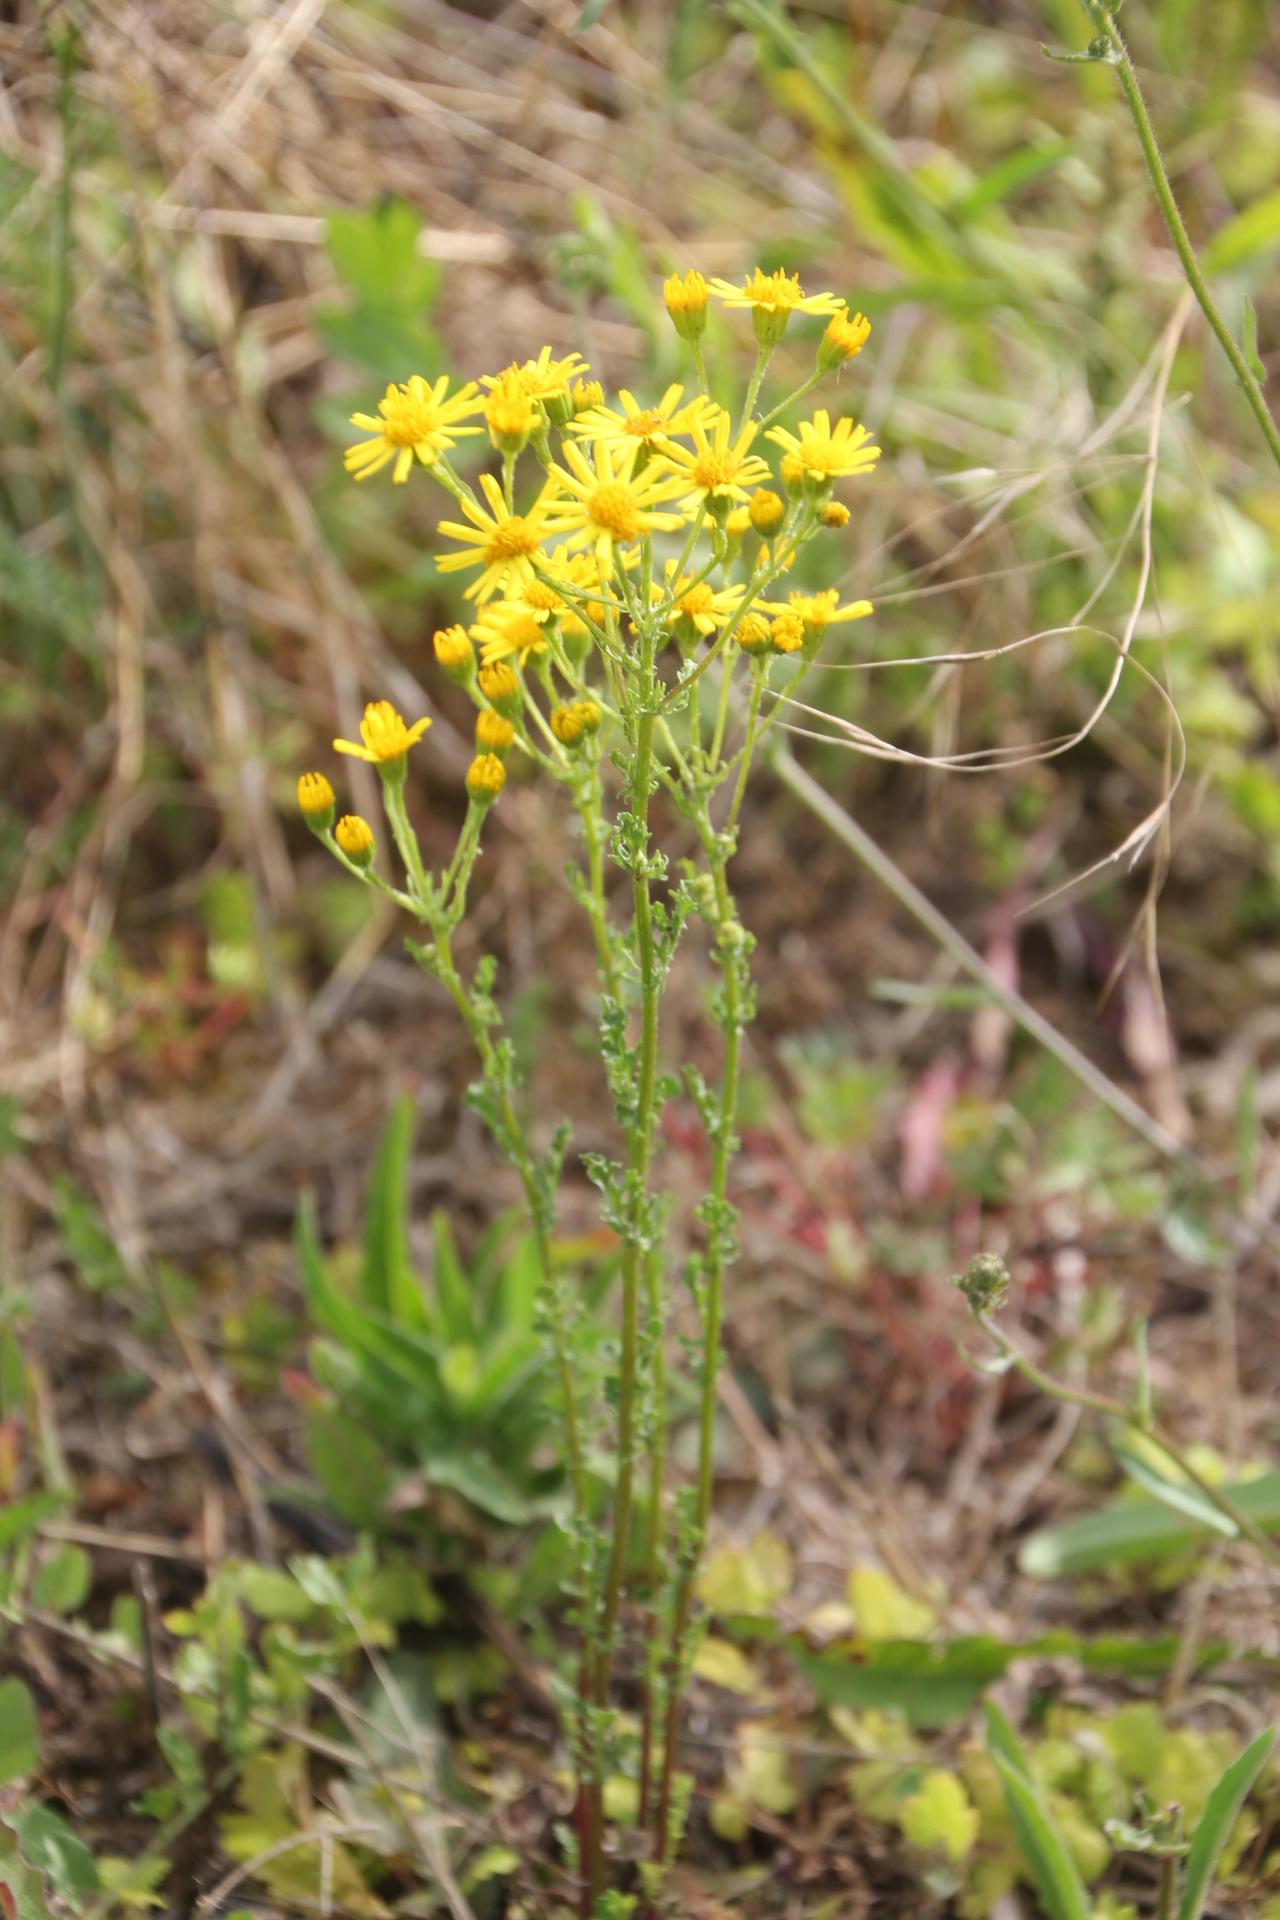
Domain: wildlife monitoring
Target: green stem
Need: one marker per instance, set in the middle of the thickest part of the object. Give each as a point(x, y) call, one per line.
point(403, 834)
point(590, 811)
point(759, 676)
point(763, 356)
point(1124, 1416)
point(1104, 18)
point(806, 386)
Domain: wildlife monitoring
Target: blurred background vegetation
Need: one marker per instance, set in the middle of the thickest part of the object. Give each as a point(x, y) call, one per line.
point(226, 225)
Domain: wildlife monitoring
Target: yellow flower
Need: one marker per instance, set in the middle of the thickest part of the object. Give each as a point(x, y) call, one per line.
point(543, 600)
point(571, 723)
point(494, 734)
point(635, 425)
point(752, 634)
point(834, 514)
point(508, 629)
point(603, 504)
point(542, 379)
point(819, 611)
point(772, 299)
point(499, 685)
point(698, 606)
point(716, 469)
point(486, 777)
point(454, 651)
point(384, 737)
point(415, 418)
point(825, 452)
point(355, 837)
point(686, 302)
point(500, 542)
point(791, 469)
point(586, 394)
point(843, 338)
point(316, 801)
point(786, 633)
point(766, 510)
point(510, 414)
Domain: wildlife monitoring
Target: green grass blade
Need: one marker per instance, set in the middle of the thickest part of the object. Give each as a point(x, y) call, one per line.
point(1216, 1822)
point(388, 1283)
point(1137, 1532)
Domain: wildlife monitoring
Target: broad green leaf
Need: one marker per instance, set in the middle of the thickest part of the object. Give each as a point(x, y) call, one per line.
point(24, 1894)
point(63, 1580)
point(54, 1850)
point(388, 344)
point(1041, 1841)
point(22, 1517)
point(273, 1595)
point(940, 1817)
point(485, 1485)
point(376, 253)
point(884, 1611)
point(1136, 1532)
point(746, 1580)
point(1181, 1495)
point(1216, 1822)
point(19, 1731)
point(349, 1465)
point(931, 1685)
point(725, 1665)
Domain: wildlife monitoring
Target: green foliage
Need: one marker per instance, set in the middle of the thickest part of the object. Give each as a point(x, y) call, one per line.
point(377, 256)
point(19, 1731)
point(1139, 1532)
point(449, 1377)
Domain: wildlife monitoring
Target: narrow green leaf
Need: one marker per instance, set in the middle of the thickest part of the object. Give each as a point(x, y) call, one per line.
point(1138, 1532)
point(387, 1279)
point(22, 1517)
point(1216, 1822)
point(1254, 232)
point(1044, 1848)
point(453, 1289)
point(1180, 1495)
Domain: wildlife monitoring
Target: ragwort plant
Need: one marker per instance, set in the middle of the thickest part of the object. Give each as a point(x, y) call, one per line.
point(628, 567)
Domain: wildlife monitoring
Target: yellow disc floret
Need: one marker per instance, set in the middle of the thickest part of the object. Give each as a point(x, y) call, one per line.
point(752, 634)
point(501, 543)
point(501, 687)
point(766, 509)
point(786, 633)
point(384, 737)
point(834, 514)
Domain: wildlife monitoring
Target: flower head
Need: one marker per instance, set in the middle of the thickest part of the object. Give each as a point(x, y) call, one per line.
point(571, 724)
point(501, 687)
point(772, 299)
point(696, 606)
point(486, 777)
point(501, 543)
point(355, 838)
point(766, 510)
point(752, 634)
point(508, 629)
point(819, 611)
point(454, 651)
point(494, 733)
point(510, 414)
point(786, 633)
point(834, 513)
point(827, 453)
point(544, 378)
point(842, 339)
point(635, 426)
point(384, 737)
point(415, 418)
point(686, 302)
point(602, 504)
point(716, 469)
point(316, 801)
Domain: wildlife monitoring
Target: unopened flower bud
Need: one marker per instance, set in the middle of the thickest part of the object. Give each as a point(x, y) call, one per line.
point(486, 777)
point(843, 338)
point(455, 652)
point(984, 1283)
point(766, 509)
point(834, 514)
point(792, 471)
point(494, 733)
point(500, 687)
point(510, 414)
point(686, 301)
point(752, 634)
point(354, 836)
point(317, 802)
